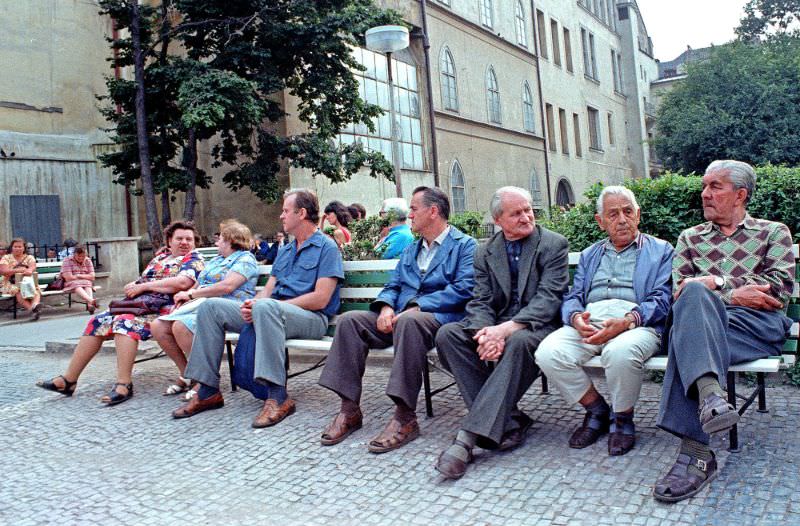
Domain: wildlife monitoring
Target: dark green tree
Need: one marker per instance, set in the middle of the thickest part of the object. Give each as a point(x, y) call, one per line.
point(227, 82)
point(742, 103)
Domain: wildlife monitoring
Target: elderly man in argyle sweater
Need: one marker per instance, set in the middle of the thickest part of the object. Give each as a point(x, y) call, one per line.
point(732, 278)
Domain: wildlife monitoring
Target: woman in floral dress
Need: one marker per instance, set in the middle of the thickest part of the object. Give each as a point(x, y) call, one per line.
point(78, 273)
point(232, 275)
point(172, 270)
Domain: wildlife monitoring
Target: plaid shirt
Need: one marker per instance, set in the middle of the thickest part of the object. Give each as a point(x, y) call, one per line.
point(759, 252)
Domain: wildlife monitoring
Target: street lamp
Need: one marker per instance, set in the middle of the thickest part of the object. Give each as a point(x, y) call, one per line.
point(388, 40)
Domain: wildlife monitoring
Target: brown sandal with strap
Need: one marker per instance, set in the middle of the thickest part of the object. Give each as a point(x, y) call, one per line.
point(395, 435)
point(680, 483)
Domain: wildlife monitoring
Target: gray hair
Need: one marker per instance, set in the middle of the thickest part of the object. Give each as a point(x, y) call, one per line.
point(396, 206)
point(740, 174)
point(616, 190)
point(494, 205)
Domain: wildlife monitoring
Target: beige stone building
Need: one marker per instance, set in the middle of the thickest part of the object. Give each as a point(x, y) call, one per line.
point(550, 95)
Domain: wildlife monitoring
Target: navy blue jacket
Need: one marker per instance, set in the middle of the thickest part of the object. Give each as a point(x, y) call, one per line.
point(445, 288)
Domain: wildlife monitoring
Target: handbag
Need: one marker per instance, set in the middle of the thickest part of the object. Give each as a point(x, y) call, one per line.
point(141, 305)
point(27, 287)
point(56, 284)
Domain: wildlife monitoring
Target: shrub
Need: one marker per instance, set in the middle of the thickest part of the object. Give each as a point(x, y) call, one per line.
point(672, 203)
point(365, 234)
point(468, 222)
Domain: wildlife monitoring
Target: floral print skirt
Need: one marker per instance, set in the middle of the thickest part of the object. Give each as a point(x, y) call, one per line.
point(106, 325)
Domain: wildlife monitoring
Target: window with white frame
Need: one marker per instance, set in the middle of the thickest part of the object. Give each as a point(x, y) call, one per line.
point(373, 87)
point(541, 28)
point(519, 17)
point(616, 71)
point(449, 87)
point(487, 13)
point(457, 188)
point(536, 191)
point(554, 40)
point(528, 114)
point(567, 49)
point(493, 97)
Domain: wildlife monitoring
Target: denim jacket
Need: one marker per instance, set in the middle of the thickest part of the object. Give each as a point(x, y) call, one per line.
point(443, 290)
point(652, 282)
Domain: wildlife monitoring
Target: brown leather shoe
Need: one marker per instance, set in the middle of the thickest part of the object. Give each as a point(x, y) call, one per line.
point(341, 427)
point(196, 405)
point(272, 413)
point(393, 436)
point(619, 444)
point(593, 427)
point(451, 467)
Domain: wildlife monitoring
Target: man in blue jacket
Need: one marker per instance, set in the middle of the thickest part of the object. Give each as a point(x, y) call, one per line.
point(617, 309)
point(429, 287)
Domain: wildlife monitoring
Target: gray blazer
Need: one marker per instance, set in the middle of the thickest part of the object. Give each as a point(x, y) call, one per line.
point(543, 280)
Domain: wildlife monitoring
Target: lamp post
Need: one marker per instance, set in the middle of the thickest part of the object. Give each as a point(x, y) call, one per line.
point(388, 40)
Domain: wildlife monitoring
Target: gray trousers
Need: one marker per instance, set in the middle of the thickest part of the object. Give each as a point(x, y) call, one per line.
point(491, 396)
point(704, 335)
point(274, 323)
point(357, 333)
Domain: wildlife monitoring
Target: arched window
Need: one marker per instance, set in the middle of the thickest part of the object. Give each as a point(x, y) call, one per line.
point(519, 16)
point(449, 87)
point(528, 115)
point(564, 196)
point(457, 188)
point(493, 97)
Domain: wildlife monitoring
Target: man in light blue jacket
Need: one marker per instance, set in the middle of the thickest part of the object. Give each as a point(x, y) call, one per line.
point(398, 235)
point(617, 309)
point(429, 287)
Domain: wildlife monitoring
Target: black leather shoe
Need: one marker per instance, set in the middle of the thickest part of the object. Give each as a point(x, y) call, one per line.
point(593, 427)
point(515, 438)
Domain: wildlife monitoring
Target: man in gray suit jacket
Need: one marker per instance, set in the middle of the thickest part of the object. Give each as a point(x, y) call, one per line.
point(521, 275)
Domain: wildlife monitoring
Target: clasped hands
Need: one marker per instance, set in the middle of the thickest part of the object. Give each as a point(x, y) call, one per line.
point(492, 340)
point(753, 296)
point(600, 333)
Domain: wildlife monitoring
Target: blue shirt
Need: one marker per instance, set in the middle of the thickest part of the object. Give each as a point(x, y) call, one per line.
point(399, 238)
point(296, 271)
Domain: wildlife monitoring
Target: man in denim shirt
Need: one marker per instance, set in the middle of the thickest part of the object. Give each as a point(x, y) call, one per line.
point(616, 309)
point(301, 295)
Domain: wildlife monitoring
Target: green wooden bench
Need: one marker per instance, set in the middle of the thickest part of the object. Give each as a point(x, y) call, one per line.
point(46, 272)
point(760, 367)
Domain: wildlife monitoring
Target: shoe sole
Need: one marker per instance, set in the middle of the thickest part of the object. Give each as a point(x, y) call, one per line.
point(329, 442)
point(723, 422)
point(667, 498)
point(270, 424)
point(187, 415)
point(385, 449)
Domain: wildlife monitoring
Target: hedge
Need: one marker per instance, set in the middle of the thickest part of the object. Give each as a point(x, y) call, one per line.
point(672, 203)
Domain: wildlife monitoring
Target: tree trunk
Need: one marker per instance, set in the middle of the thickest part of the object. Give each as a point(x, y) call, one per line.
point(166, 213)
point(190, 157)
point(153, 228)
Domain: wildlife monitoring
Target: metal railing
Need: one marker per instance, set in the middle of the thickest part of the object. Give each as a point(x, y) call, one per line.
point(59, 252)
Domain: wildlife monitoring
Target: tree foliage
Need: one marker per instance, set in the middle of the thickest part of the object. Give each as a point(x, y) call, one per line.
point(742, 103)
point(223, 71)
point(765, 17)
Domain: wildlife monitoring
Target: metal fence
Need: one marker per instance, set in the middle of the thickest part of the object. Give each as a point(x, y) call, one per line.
point(59, 252)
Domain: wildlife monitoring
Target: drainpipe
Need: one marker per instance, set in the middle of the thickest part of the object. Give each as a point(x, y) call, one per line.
point(426, 46)
point(541, 108)
point(117, 75)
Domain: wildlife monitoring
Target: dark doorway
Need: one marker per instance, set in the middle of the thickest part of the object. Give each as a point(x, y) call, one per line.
point(564, 195)
point(37, 218)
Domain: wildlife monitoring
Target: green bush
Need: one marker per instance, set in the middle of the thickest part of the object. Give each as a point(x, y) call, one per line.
point(468, 222)
point(672, 203)
point(365, 234)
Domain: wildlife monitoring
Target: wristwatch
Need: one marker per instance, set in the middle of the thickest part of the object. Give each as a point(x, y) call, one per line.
point(630, 317)
point(719, 282)
point(190, 295)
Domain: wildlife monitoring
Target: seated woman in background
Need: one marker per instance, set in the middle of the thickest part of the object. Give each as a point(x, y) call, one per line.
point(232, 275)
point(338, 217)
point(16, 261)
point(78, 273)
point(172, 270)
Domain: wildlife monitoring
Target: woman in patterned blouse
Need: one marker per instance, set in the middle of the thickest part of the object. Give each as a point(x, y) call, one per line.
point(174, 269)
point(78, 273)
point(17, 262)
point(232, 275)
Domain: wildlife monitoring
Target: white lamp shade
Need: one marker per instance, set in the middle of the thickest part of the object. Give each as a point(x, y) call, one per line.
point(387, 39)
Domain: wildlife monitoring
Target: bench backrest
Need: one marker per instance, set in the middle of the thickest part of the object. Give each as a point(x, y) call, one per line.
point(365, 279)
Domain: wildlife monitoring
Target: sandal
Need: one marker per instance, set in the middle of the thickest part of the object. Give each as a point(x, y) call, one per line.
point(91, 306)
point(114, 398)
point(717, 415)
point(36, 311)
point(67, 390)
point(181, 385)
point(393, 436)
point(680, 483)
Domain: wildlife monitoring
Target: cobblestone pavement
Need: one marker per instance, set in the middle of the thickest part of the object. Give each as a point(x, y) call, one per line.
point(73, 461)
